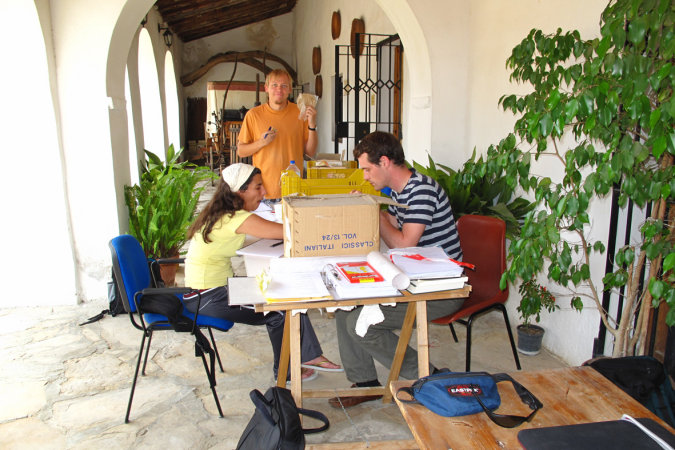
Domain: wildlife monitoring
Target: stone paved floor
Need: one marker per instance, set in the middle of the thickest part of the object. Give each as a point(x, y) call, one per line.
point(66, 386)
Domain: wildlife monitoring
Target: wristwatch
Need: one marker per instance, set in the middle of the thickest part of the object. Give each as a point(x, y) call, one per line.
point(310, 128)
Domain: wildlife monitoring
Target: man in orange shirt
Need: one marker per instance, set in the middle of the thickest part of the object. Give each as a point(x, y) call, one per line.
point(275, 134)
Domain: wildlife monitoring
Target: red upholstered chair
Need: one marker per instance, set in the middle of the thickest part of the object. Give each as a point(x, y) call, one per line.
point(482, 240)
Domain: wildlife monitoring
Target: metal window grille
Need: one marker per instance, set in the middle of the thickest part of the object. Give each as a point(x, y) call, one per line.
point(367, 89)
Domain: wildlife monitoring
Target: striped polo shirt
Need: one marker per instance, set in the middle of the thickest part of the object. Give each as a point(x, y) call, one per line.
point(429, 205)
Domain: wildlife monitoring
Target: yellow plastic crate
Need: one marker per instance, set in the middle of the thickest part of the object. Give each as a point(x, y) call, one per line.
point(296, 185)
point(349, 167)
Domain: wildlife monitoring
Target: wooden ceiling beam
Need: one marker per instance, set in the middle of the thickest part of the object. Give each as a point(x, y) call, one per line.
point(251, 58)
point(194, 19)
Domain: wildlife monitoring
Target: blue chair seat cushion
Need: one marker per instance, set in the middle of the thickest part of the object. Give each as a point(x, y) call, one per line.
point(209, 321)
point(156, 320)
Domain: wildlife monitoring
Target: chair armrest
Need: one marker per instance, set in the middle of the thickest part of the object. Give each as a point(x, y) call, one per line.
point(167, 290)
point(170, 260)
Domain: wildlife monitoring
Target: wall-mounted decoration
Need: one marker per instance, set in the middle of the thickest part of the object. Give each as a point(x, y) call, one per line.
point(335, 25)
point(357, 27)
point(318, 86)
point(316, 60)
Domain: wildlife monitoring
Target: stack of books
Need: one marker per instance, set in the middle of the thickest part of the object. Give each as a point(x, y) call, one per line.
point(358, 280)
point(436, 284)
point(429, 268)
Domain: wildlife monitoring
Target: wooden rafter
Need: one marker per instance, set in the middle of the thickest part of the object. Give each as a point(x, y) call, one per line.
point(250, 58)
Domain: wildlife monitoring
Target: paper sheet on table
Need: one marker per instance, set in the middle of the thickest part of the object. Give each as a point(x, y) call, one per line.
point(265, 211)
point(300, 286)
point(273, 248)
point(244, 291)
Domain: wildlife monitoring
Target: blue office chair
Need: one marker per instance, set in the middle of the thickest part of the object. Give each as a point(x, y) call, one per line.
point(130, 267)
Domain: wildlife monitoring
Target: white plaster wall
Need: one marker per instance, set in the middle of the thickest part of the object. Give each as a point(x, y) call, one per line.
point(447, 36)
point(35, 228)
point(81, 38)
point(496, 27)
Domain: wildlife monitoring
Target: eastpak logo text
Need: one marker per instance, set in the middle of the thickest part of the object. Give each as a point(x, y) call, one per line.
point(464, 390)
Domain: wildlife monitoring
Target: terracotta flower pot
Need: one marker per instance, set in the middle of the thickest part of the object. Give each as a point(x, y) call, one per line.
point(168, 273)
point(529, 339)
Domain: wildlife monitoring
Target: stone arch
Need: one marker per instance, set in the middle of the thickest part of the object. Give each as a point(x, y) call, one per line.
point(417, 138)
point(124, 33)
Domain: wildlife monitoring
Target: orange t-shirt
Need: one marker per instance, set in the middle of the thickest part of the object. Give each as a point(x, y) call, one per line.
point(289, 144)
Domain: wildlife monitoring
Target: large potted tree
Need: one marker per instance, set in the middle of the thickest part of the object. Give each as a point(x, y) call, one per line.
point(162, 206)
point(604, 110)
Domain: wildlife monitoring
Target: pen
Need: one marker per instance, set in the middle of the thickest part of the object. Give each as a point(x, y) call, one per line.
point(277, 244)
point(269, 129)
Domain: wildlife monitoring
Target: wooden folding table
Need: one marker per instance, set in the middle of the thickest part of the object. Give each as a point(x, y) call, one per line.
point(291, 341)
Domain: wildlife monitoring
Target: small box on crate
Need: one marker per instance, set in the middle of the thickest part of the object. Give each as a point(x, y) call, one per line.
point(325, 225)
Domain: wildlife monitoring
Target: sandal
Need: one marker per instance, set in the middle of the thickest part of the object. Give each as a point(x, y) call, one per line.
point(323, 365)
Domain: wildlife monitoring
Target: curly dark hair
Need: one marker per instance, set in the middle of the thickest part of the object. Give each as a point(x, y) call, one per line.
point(224, 201)
point(378, 144)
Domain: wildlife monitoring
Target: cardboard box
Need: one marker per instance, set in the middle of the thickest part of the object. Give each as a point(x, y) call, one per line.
point(326, 225)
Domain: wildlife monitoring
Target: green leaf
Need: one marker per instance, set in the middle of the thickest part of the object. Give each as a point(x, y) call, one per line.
point(669, 262)
point(637, 29)
point(571, 108)
point(553, 99)
point(659, 146)
point(546, 124)
point(656, 288)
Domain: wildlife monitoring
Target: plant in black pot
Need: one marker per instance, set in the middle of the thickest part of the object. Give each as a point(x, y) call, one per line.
point(534, 298)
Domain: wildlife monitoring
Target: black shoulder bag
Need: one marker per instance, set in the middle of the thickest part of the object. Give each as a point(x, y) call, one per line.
point(276, 422)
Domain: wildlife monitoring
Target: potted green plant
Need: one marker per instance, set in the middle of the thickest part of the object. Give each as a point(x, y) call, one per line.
point(534, 299)
point(162, 205)
point(472, 192)
point(604, 111)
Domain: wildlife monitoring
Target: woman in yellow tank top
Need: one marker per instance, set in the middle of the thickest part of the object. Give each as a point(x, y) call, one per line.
point(218, 232)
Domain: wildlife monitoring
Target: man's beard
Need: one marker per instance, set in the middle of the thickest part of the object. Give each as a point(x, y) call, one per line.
point(278, 101)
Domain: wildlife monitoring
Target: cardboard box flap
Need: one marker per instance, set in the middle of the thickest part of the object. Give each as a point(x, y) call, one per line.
point(339, 199)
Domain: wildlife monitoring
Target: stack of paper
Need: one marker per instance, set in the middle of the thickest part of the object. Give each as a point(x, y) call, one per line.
point(289, 281)
point(421, 263)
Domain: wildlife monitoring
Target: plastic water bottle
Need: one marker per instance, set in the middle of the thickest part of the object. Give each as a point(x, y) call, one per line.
point(290, 179)
point(292, 167)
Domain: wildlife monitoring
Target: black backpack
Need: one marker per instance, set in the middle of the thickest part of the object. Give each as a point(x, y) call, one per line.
point(641, 377)
point(275, 425)
point(115, 305)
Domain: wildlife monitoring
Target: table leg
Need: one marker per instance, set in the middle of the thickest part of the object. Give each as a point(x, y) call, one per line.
point(296, 370)
point(422, 340)
point(403, 340)
point(285, 353)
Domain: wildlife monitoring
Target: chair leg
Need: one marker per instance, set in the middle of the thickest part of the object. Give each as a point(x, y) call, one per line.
point(468, 343)
point(212, 379)
point(452, 330)
point(147, 351)
point(133, 384)
point(215, 349)
point(508, 329)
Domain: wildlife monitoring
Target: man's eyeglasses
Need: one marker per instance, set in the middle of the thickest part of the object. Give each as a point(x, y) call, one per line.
point(285, 87)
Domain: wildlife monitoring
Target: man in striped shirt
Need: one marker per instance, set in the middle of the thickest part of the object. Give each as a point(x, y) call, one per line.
point(427, 221)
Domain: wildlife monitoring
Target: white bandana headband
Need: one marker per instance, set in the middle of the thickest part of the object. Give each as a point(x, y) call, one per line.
point(235, 175)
